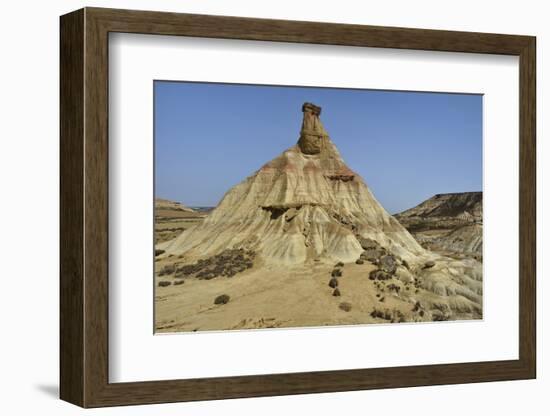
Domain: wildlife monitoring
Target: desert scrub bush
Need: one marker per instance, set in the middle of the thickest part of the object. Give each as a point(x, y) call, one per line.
point(339, 264)
point(227, 263)
point(158, 252)
point(333, 283)
point(221, 300)
point(359, 261)
point(179, 282)
point(336, 292)
point(168, 269)
point(345, 306)
point(164, 283)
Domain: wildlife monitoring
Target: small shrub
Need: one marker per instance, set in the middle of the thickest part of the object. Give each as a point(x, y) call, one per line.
point(359, 261)
point(158, 252)
point(333, 283)
point(345, 306)
point(339, 264)
point(336, 273)
point(336, 292)
point(168, 269)
point(221, 300)
point(164, 283)
point(179, 282)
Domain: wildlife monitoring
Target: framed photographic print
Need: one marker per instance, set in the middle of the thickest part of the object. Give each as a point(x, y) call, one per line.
point(255, 207)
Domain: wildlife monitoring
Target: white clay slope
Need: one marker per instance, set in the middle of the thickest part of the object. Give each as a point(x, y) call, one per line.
point(304, 205)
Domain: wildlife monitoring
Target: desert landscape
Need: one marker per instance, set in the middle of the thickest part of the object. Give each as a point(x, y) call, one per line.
point(303, 242)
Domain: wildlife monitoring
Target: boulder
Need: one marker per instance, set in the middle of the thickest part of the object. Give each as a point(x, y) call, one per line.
point(221, 300)
point(429, 264)
point(379, 275)
point(388, 263)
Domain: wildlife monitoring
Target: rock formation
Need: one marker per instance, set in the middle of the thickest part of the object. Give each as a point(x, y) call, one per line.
point(448, 223)
point(303, 242)
point(165, 204)
point(304, 205)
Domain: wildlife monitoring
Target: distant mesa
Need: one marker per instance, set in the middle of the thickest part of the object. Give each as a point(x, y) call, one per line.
point(448, 223)
point(465, 204)
point(304, 205)
point(165, 204)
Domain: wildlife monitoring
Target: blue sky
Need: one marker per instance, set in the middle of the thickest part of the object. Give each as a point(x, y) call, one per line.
point(407, 146)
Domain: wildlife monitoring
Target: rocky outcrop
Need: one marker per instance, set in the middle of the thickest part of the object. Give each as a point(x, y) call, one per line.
point(167, 205)
point(304, 205)
point(313, 136)
point(461, 206)
point(448, 223)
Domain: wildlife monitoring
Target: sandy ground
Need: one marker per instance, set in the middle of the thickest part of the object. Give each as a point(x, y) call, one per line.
point(263, 297)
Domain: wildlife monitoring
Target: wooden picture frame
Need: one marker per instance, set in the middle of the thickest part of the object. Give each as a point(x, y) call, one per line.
point(84, 207)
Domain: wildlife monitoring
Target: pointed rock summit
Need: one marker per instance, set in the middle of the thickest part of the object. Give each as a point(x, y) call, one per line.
point(304, 205)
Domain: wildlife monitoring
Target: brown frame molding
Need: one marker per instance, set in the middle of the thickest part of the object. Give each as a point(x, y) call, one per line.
point(84, 207)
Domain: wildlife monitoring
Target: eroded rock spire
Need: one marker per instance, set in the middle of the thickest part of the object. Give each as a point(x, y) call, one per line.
point(312, 135)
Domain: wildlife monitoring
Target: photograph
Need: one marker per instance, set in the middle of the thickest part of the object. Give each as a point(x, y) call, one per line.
point(299, 206)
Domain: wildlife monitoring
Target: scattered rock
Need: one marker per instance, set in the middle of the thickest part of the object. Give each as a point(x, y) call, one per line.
point(394, 315)
point(221, 300)
point(336, 273)
point(345, 306)
point(333, 283)
point(379, 275)
point(168, 269)
point(372, 255)
point(394, 287)
point(336, 292)
point(388, 263)
point(367, 243)
point(164, 283)
point(359, 261)
point(382, 299)
point(428, 264)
